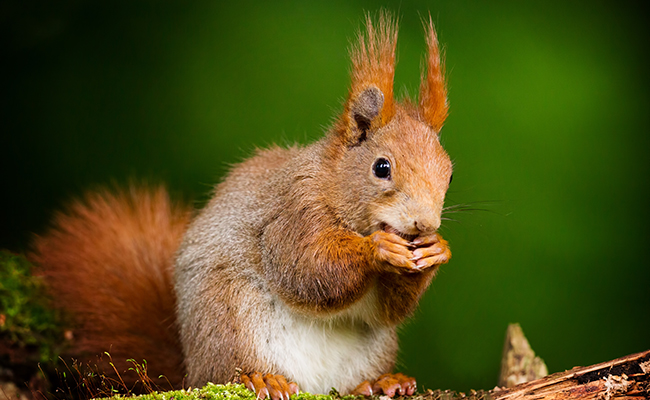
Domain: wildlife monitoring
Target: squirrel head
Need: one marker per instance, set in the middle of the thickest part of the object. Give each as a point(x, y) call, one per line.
point(390, 170)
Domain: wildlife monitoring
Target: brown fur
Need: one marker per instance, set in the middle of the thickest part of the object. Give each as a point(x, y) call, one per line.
point(297, 231)
point(107, 261)
point(297, 266)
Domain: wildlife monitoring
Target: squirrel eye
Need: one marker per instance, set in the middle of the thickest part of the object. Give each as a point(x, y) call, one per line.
point(381, 168)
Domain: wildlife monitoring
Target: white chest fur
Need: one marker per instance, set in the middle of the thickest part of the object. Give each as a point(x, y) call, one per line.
point(318, 354)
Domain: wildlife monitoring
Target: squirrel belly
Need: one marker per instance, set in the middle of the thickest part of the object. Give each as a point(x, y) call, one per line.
point(339, 352)
point(320, 355)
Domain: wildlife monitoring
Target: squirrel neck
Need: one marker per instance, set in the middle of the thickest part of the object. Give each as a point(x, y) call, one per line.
point(310, 177)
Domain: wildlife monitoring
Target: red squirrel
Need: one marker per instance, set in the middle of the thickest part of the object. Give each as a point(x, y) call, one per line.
point(298, 270)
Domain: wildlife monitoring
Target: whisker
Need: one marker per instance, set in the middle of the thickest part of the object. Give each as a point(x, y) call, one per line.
point(463, 210)
point(472, 204)
point(469, 207)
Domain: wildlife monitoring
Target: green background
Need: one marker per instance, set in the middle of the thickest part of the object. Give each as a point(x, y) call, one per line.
point(548, 132)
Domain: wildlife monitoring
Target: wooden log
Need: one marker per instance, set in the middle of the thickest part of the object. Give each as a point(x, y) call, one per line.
point(623, 378)
point(626, 378)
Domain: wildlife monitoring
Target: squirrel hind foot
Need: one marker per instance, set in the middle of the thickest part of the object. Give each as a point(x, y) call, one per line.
point(387, 385)
point(271, 386)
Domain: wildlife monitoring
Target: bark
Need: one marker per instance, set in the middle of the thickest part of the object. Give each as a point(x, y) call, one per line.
point(625, 378)
point(622, 378)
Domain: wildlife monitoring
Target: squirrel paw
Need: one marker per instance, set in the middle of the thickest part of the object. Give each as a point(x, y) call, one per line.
point(274, 386)
point(431, 250)
point(388, 385)
point(394, 250)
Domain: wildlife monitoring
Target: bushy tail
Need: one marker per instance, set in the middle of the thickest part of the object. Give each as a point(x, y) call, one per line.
point(108, 262)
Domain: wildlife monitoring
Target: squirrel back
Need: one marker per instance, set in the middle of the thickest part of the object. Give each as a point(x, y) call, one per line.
point(108, 262)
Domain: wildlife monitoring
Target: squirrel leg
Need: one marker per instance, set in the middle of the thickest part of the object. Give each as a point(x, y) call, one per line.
point(406, 270)
point(430, 250)
point(274, 386)
point(388, 385)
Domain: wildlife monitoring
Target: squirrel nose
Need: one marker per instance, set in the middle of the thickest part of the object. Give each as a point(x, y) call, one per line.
point(427, 225)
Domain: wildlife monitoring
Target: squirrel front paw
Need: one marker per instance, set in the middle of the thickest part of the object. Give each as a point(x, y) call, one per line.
point(388, 385)
point(393, 251)
point(274, 386)
point(404, 256)
point(430, 250)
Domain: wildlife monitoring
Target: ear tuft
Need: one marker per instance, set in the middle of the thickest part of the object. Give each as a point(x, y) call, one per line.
point(370, 101)
point(433, 88)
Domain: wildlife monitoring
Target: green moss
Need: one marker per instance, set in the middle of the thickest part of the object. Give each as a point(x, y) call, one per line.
point(221, 392)
point(26, 319)
point(239, 392)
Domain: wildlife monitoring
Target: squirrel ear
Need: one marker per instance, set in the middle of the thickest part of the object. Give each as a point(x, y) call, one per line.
point(365, 108)
point(433, 88)
point(370, 102)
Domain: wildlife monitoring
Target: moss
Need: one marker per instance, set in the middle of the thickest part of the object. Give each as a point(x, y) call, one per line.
point(222, 392)
point(26, 319)
point(239, 392)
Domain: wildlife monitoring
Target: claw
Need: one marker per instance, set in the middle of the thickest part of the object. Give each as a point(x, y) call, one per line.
point(270, 386)
point(388, 385)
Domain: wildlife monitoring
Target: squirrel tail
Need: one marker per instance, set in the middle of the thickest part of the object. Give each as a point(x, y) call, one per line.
point(108, 263)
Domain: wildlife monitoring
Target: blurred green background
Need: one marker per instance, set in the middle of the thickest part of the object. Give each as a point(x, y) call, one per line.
point(549, 133)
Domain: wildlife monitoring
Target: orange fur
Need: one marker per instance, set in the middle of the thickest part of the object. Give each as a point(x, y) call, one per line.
point(373, 63)
point(108, 262)
point(433, 89)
